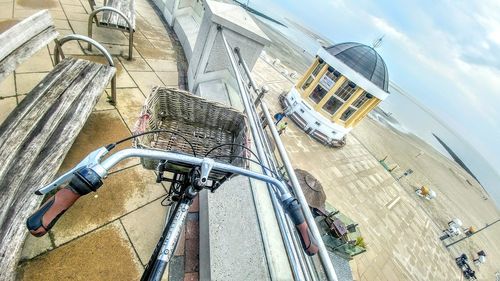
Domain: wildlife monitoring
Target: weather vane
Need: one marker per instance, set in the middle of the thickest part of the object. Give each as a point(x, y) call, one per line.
point(377, 42)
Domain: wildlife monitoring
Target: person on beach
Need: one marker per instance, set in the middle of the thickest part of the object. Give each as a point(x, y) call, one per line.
point(278, 117)
point(480, 259)
point(282, 128)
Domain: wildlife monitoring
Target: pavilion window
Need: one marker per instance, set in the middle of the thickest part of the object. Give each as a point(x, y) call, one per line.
point(360, 101)
point(332, 105)
point(329, 78)
point(357, 104)
point(308, 82)
point(318, 68)
point(346, 91)
point(347, 113)
point(315, 72)
point(318, 94)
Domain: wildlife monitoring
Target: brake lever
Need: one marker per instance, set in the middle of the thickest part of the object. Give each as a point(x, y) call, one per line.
point(91, 160)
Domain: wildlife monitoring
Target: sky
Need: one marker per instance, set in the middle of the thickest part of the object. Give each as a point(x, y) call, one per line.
point(445, 54)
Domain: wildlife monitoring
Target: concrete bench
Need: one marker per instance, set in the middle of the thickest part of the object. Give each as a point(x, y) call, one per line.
point(36, 136)
point(116, 14)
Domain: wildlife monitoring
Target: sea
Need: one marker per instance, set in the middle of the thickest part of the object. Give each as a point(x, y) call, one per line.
point(407, 115)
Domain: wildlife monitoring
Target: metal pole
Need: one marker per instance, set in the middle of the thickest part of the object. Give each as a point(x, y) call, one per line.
point(323, 253)
point(260, 92)
point(293, 257)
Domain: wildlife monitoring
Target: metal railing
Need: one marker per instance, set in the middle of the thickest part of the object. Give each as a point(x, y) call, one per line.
point(302, 266)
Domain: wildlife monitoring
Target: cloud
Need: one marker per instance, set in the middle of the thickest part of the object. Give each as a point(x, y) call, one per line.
point(440, 56)
point(462, 68)
point(445, 53)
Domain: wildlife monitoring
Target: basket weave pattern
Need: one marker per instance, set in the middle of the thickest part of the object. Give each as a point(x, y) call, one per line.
point(204, 123)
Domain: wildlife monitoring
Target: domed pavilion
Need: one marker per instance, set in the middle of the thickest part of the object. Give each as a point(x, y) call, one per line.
point(343, 84)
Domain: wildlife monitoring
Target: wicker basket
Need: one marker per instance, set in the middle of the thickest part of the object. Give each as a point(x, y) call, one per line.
point(203, 123)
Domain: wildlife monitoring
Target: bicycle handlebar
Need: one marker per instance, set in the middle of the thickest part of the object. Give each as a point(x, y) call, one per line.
point(88, 178)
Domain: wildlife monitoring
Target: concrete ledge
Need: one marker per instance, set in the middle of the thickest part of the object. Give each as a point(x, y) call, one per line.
point(186, 27)
point(230, 237)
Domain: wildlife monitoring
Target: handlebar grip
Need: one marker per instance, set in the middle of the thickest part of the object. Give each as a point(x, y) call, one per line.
point(40, 222)
point(309, 243)
point(84, 181)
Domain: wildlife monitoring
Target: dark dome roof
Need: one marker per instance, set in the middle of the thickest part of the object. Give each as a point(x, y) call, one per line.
point(364, 60)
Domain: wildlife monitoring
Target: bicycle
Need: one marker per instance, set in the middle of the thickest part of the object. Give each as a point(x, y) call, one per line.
point(199, 173)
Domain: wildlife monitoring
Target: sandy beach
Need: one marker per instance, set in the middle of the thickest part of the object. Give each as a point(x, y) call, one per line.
point(455, 196)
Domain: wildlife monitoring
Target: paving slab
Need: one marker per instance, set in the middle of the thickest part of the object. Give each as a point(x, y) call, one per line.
point(130, 103)
point(62, 24)
point(6, 10)
point(149, 51)
point(136, 64)
point(75, 16)
point(162, 44)
point(105, 254)
point(102, 128)
point(162, 65)
point(121, 193)
point(33, 4)
point(8, 86)
point(75, 8)
point(144, 227)
point(69, 48)
point(103, 103)
point(39, 62)
point(170, 79)
point(145, 81)
point(34, 246)
point(28, 81)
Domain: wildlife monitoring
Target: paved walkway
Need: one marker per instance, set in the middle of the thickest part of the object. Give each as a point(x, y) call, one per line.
point(402, 241)
point(108, 236)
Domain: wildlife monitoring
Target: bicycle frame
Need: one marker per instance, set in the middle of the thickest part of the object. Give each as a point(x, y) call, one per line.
point(166, 245)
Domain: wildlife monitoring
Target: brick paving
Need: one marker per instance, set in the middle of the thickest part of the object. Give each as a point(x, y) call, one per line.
point(188, 248)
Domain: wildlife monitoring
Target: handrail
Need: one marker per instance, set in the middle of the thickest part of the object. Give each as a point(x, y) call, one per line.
point(323, 253)
point(58, 54)
point(293, 255)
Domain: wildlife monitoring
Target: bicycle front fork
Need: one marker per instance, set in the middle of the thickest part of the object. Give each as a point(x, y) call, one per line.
point(166, 245)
